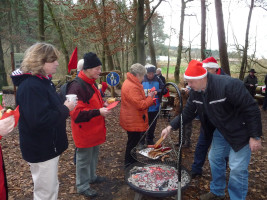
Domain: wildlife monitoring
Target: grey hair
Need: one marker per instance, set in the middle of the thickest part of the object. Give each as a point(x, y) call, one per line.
point(80, 65)
point(138, 69)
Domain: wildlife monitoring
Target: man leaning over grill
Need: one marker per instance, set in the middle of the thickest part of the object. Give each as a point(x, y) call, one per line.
point(235, 121)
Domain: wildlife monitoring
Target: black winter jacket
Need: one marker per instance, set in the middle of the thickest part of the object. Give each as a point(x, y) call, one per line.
point(226, 105)
point(42, 123)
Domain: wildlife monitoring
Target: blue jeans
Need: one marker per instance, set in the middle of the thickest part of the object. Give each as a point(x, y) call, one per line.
point(238, 164)
point(201, 151)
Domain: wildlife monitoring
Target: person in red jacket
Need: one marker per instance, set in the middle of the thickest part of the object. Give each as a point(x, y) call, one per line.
point(88, 125)
point(6, 126)
point(134, 107)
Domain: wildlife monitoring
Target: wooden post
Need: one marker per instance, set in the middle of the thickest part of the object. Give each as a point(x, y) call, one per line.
point(13, 69)
point(112, 91)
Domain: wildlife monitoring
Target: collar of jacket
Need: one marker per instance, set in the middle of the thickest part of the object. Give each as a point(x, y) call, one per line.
point(134, 79)
point(85, 78)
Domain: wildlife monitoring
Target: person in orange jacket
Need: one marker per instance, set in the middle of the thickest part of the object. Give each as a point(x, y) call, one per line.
point(134, 107)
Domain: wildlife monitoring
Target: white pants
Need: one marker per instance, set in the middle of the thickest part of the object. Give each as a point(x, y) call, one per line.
point(45, 179)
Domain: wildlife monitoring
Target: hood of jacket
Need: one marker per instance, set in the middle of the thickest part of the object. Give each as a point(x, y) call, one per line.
point(18, 77)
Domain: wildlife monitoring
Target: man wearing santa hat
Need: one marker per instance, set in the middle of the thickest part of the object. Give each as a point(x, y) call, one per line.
point(234, 119)
point(204, 140)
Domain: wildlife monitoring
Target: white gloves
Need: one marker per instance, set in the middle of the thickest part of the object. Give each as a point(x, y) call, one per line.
point(7, 125)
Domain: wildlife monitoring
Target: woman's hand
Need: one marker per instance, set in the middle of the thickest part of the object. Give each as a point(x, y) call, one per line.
point(70, 104)
point(7, 125)
point(104, 111)
point(152, 94)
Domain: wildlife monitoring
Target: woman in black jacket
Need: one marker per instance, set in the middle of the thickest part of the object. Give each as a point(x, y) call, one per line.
point(42, 123)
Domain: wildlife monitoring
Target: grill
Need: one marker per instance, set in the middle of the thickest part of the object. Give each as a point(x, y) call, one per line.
point(161, 175)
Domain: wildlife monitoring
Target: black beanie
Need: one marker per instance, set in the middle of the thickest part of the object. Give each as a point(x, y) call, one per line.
point(91, 60)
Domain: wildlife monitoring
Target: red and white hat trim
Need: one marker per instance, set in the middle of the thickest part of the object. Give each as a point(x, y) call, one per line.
point(195, 70)
point(210, 63)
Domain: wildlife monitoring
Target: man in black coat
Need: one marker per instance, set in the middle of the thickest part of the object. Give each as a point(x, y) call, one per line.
point(227, 110)
point(251, 82)
point(159, 74)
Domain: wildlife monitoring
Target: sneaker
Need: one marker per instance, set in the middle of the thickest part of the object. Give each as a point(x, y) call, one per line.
point(210, 196)
point(99, 179)
point(194, 174)
point(89, 193)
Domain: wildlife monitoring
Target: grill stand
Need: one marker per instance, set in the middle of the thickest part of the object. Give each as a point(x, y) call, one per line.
point(139, 196)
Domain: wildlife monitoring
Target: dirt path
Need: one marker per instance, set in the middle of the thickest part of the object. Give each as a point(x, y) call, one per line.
point(111, 165)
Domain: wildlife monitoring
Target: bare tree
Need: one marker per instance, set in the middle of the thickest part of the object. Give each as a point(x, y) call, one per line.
point(245, 50)
point(221, 37)
point(60, 34)
point(140, 29)
point(180, 45)
point(150, 37)
point(41, 20)
point(203, 29)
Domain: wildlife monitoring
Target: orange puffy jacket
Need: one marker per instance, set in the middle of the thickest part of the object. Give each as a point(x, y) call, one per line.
point(134, 105)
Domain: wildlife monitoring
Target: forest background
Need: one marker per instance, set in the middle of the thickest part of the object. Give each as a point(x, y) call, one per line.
point(123, 32)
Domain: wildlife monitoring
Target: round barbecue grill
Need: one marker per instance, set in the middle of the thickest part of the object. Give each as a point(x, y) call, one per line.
point(161, 187)
point(170, 176)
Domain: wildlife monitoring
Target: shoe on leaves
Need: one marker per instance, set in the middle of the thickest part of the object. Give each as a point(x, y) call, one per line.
point(194, 174)
point(99, 179)
point(89, 193)
point(210, 196)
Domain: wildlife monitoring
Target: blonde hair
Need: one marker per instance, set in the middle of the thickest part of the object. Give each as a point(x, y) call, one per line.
point(36, 56)
point(137, 68)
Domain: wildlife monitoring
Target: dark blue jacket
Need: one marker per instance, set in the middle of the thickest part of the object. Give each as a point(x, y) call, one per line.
point(42, 123)
point(227, 106)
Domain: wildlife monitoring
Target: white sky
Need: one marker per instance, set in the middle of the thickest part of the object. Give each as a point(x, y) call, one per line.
point(238, 16)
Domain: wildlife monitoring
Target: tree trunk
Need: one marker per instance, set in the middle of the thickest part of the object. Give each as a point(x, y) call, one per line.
point(221, 37)
point(102, 28)
point(150, 37)
point(3, 78)
point(203, 29)
point(41, 20)
point(140, 35)
point(62, 43)
point(180, 45)
point(245, 52)
point(10, 25)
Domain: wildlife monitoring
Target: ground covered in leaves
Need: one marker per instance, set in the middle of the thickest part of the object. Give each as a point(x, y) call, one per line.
point(111, 161)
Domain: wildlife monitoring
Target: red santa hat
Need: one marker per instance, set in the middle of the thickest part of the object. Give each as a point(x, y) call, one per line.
point(210, 63)
point(195, 70)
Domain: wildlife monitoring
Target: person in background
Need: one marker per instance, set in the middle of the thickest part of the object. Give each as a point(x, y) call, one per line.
point(264, 107)
point(80, 66)
point(152, 80)
point(6, 126)
point(204, 140)
point(235, 124)
point(42, 122)
point(88, 125)
point(134, 106)
point(159, 74)
point(251, 82)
